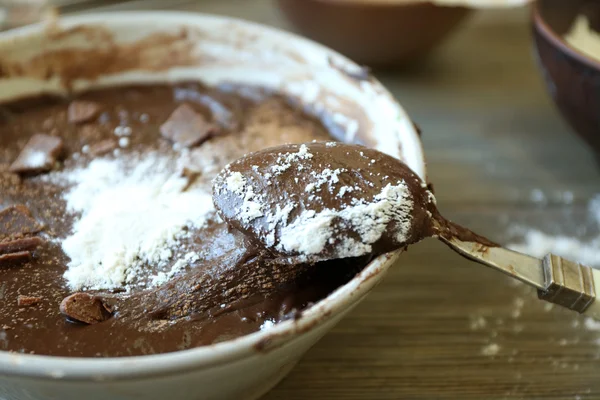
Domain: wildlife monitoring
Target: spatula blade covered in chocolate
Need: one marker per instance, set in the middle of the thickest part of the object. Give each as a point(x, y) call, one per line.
point(321, 201)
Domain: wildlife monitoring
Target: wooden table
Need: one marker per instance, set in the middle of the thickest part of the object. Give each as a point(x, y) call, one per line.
point(440, 327)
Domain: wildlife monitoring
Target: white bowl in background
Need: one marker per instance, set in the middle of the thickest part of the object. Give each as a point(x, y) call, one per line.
point(95, 50)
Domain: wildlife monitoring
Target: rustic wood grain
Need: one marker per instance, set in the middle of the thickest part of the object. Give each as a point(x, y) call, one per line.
point(491, 136)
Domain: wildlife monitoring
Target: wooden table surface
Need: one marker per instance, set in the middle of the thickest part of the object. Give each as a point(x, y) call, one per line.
point(440, 327)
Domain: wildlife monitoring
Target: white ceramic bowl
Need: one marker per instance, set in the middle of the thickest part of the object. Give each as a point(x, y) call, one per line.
point(109, 49)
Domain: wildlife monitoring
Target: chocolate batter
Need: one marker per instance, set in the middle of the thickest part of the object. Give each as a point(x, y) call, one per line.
point(214, 126)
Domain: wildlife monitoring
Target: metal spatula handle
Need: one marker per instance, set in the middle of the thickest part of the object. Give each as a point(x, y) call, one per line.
point(558, 280)
point(567, 283)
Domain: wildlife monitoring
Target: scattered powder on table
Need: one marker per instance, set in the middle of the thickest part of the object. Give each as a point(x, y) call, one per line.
point(591, 324)
point(538, 243)
point(583, 38)
point(491, 349)
point(585, 251)
point(133, 214)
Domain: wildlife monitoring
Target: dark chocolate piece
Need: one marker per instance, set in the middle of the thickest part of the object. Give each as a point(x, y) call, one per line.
point(19, 245)
point(17, 222)
point(86, 308)
point(39, 155)
point(187, 127)
point(81, 111)
point(14, 258)
point(27, 301)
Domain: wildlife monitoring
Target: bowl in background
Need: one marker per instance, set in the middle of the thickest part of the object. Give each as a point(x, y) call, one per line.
point(572, 77)
point(375, 32)
point(95, 50)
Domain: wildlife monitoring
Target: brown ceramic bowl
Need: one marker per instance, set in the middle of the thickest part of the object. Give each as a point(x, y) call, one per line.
point(375, 33)
point(572, 77)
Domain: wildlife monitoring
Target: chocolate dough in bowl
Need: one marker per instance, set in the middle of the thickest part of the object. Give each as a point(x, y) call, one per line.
point(81, 100)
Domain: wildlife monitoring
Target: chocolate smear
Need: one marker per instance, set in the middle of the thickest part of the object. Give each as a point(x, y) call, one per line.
point(39, 155)
point(19, 245)
point(81, 111)
point(241, 276)
point(16, 222)
point(86, 308)
point(7, 260)
point(187, 127)
point(28, 301)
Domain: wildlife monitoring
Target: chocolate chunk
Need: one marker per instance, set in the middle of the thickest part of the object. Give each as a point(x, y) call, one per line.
point(187, 127)
point(16, 222)
point(14, 258)
point(103, 147)
point(18, 245)
point(81, 111)
point(39, 154)
point(86, 308)
point(27, 301)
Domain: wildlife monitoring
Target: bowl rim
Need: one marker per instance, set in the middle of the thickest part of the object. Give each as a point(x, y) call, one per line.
point(550, 34)
point(33, 366)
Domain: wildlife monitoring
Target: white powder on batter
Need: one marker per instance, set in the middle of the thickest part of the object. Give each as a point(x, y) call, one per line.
point(235, 182)
point(251, 208)
point(179, 266)
point(310, 232)
point(285, 161)
point(132, 214)
point(583, 38)
point(327, 176)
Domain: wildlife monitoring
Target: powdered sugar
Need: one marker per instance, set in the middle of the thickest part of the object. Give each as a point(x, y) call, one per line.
point(326, 176)
point(310, 232)
point(133, 212)
point(235, 182)
point(585, 251)
point(490, 350)
point(285, 161)
point(179, 266)
point(251, 208)
point(539, 244)
point(345, 189)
